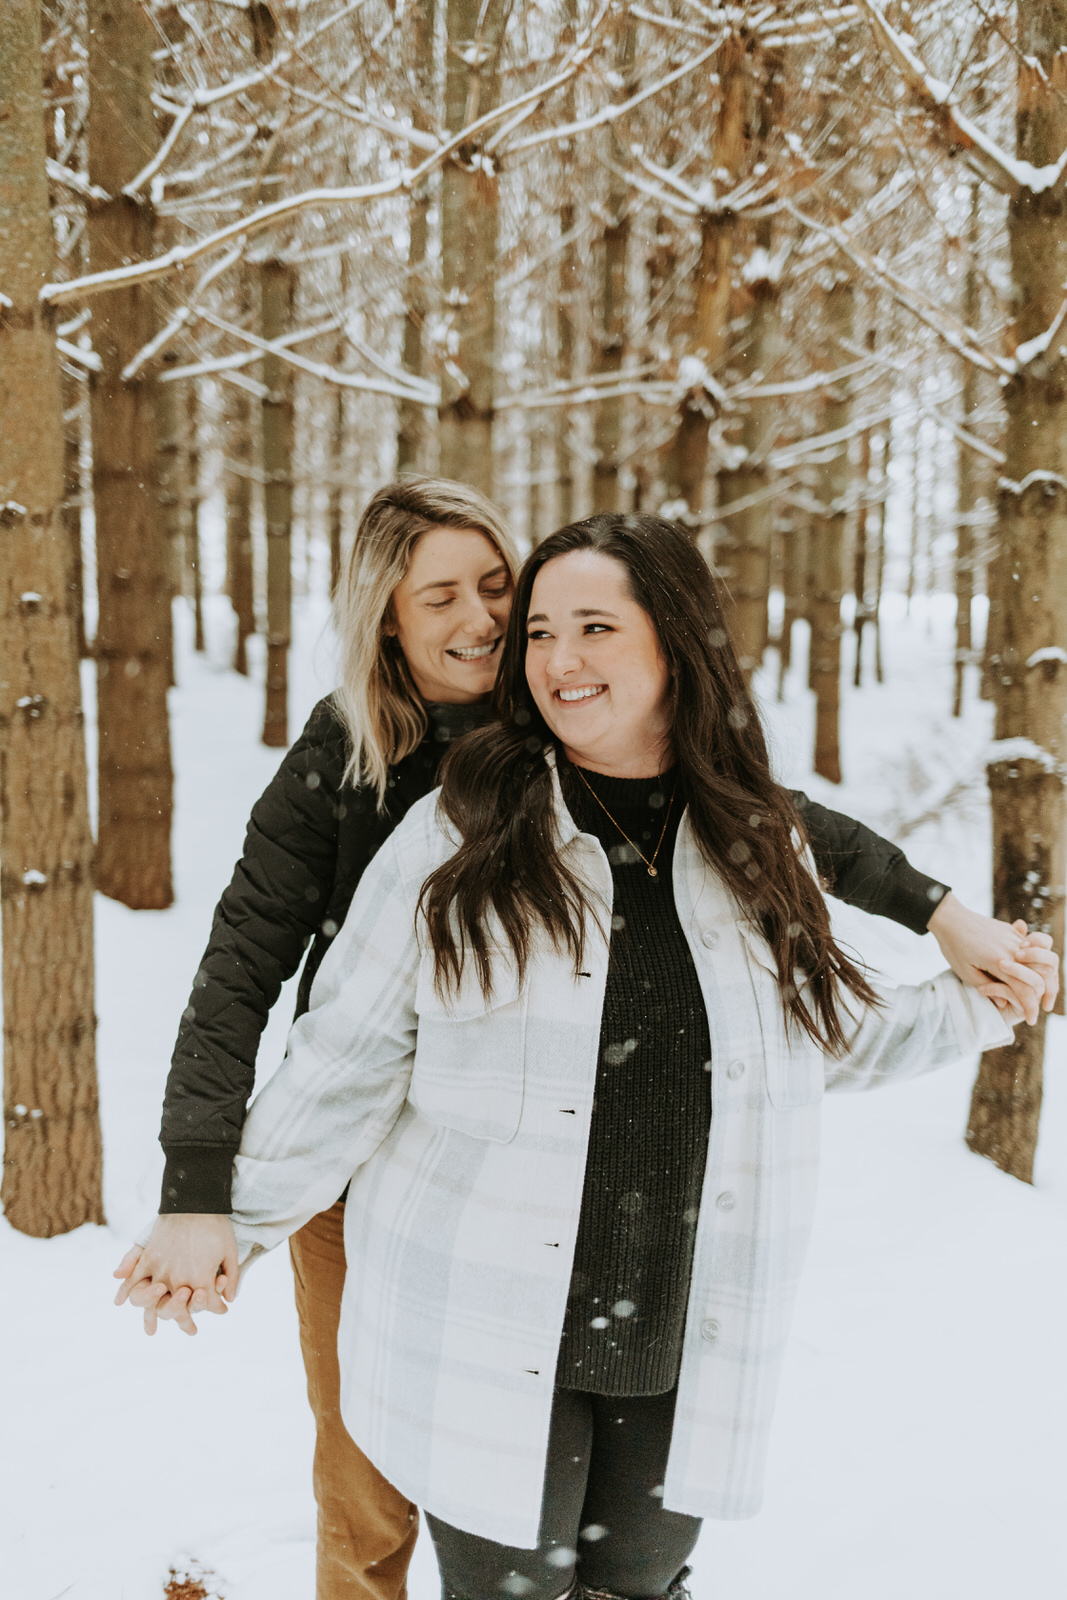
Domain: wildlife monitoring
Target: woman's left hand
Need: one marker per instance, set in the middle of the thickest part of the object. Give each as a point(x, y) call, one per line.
point(1004, 961)
point(1025, 988)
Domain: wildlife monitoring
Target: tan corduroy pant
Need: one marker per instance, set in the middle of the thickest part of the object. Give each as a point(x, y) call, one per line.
point(366, 1529)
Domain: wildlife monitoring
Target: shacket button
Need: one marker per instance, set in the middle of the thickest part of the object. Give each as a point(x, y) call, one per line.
point(726, 1201)
point(735, 1070)
point(709, 1330)
point(709, 939)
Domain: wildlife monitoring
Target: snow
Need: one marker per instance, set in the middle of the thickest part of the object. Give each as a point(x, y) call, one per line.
point(918, 1447)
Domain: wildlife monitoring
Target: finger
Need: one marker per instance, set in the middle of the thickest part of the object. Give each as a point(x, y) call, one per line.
point(128, 1262)
point(150, 1323)
point(176, 1309)
point(175, 1300)
point(139, 1273)
point(1003, 999)
point(148, 1292)
point(1026, 986)
point(1034, 941)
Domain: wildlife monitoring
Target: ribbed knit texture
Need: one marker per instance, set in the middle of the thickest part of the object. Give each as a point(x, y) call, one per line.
point(648, 1140)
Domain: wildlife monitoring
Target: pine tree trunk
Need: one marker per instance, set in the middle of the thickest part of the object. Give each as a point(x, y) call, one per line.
point(240, 578)
point(191, 519)
point(967, 484)
point(133, 634)
point(704, 339)
point(610, 314)
point(170, 468)
point(569, 284)
point(52, 1154)
point(828, 547)
point(278, 289)
point(1027, 781)
point(411, 417)
point(860, 563)
point(470, 200)
point(744, 550)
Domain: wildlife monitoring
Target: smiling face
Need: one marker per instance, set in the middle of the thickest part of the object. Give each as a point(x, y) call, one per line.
point(596, 669)
point(449, 612)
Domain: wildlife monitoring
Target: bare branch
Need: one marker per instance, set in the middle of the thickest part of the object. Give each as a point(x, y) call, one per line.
point(982, 154)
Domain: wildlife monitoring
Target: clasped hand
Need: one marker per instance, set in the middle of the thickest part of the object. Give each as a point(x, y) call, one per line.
point(188, 1264)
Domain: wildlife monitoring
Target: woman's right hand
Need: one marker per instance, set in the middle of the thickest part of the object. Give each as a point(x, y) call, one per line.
point(188, 1264)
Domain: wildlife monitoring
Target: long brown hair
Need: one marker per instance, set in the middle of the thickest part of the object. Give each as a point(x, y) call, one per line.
point(497, 790)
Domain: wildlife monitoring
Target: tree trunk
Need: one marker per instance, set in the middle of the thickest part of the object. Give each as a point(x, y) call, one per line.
point(609, 317)
point(239, 569)
point(828, 546)
point(1026, 780)
point(705, 338)
point(743, 552)
point(470, 200)
point(278, 286)
point(967, 486)
point(412, 419)
point(569, 288)
point(191, 519)
point(133, 634)
point(170, 430)
point(860, 563)
point(52, 1155)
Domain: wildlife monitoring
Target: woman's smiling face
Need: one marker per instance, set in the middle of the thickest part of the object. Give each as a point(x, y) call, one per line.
point(596, 668)
point(449, 612)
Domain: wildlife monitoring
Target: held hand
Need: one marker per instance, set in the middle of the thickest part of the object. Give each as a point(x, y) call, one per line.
point(189, 1264)
point(1002, 961)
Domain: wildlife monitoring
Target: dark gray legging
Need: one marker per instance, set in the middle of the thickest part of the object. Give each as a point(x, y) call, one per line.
point(602, 1519)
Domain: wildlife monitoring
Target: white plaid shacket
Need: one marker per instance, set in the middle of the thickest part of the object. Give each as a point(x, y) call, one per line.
point(463, 1129)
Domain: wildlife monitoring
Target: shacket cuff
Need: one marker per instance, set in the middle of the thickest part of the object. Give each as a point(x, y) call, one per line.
point(197, 1178)
point(910, 897)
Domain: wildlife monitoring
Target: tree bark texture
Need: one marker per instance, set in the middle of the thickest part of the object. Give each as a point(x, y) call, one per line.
point(828, 545)
point(239, 563)
point(743, 552)
point(704, 340)
point(194, 578)
point(278, 288)
point(968, 477)
point(470, 202)
point(133, 862)
point(413, 420)
point(1027, 781)
point(52, 1155)
point(609, 314)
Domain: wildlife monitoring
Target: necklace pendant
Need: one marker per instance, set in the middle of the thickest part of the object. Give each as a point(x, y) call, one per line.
point(652, 872)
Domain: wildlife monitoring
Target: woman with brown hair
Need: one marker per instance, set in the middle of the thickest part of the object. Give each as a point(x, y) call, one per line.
point(420, 615)
point(569, 1050)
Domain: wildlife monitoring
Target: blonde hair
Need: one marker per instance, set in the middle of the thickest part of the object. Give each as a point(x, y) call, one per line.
point(378, 702)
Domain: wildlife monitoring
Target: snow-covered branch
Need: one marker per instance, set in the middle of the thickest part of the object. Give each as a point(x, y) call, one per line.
point(245, 358)
point(279, 211)
point(981, 153)
point(963, 340)
point(609, 114)
point(321, 369)
point(74, 181)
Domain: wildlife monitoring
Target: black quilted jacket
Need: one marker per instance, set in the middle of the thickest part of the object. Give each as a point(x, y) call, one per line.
point(309, 840)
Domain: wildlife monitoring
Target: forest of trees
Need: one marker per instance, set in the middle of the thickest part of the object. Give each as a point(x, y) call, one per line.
point(729, 263)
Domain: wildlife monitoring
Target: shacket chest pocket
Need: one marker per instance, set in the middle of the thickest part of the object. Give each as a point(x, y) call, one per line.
point(470, 1053)
point(794, 1064)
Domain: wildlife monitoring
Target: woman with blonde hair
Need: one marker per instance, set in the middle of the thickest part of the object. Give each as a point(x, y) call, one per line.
point(421, 612)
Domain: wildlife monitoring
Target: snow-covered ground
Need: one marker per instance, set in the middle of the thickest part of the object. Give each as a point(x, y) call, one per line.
point(919, 1446)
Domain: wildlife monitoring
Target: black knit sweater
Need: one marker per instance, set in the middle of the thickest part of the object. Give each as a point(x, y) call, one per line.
point(651, 1119)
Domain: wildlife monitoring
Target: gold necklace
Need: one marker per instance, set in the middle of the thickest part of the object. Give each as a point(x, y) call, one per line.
point(651, 865)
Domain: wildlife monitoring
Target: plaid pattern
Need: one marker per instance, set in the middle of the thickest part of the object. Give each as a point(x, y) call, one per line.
point(465, 1127)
